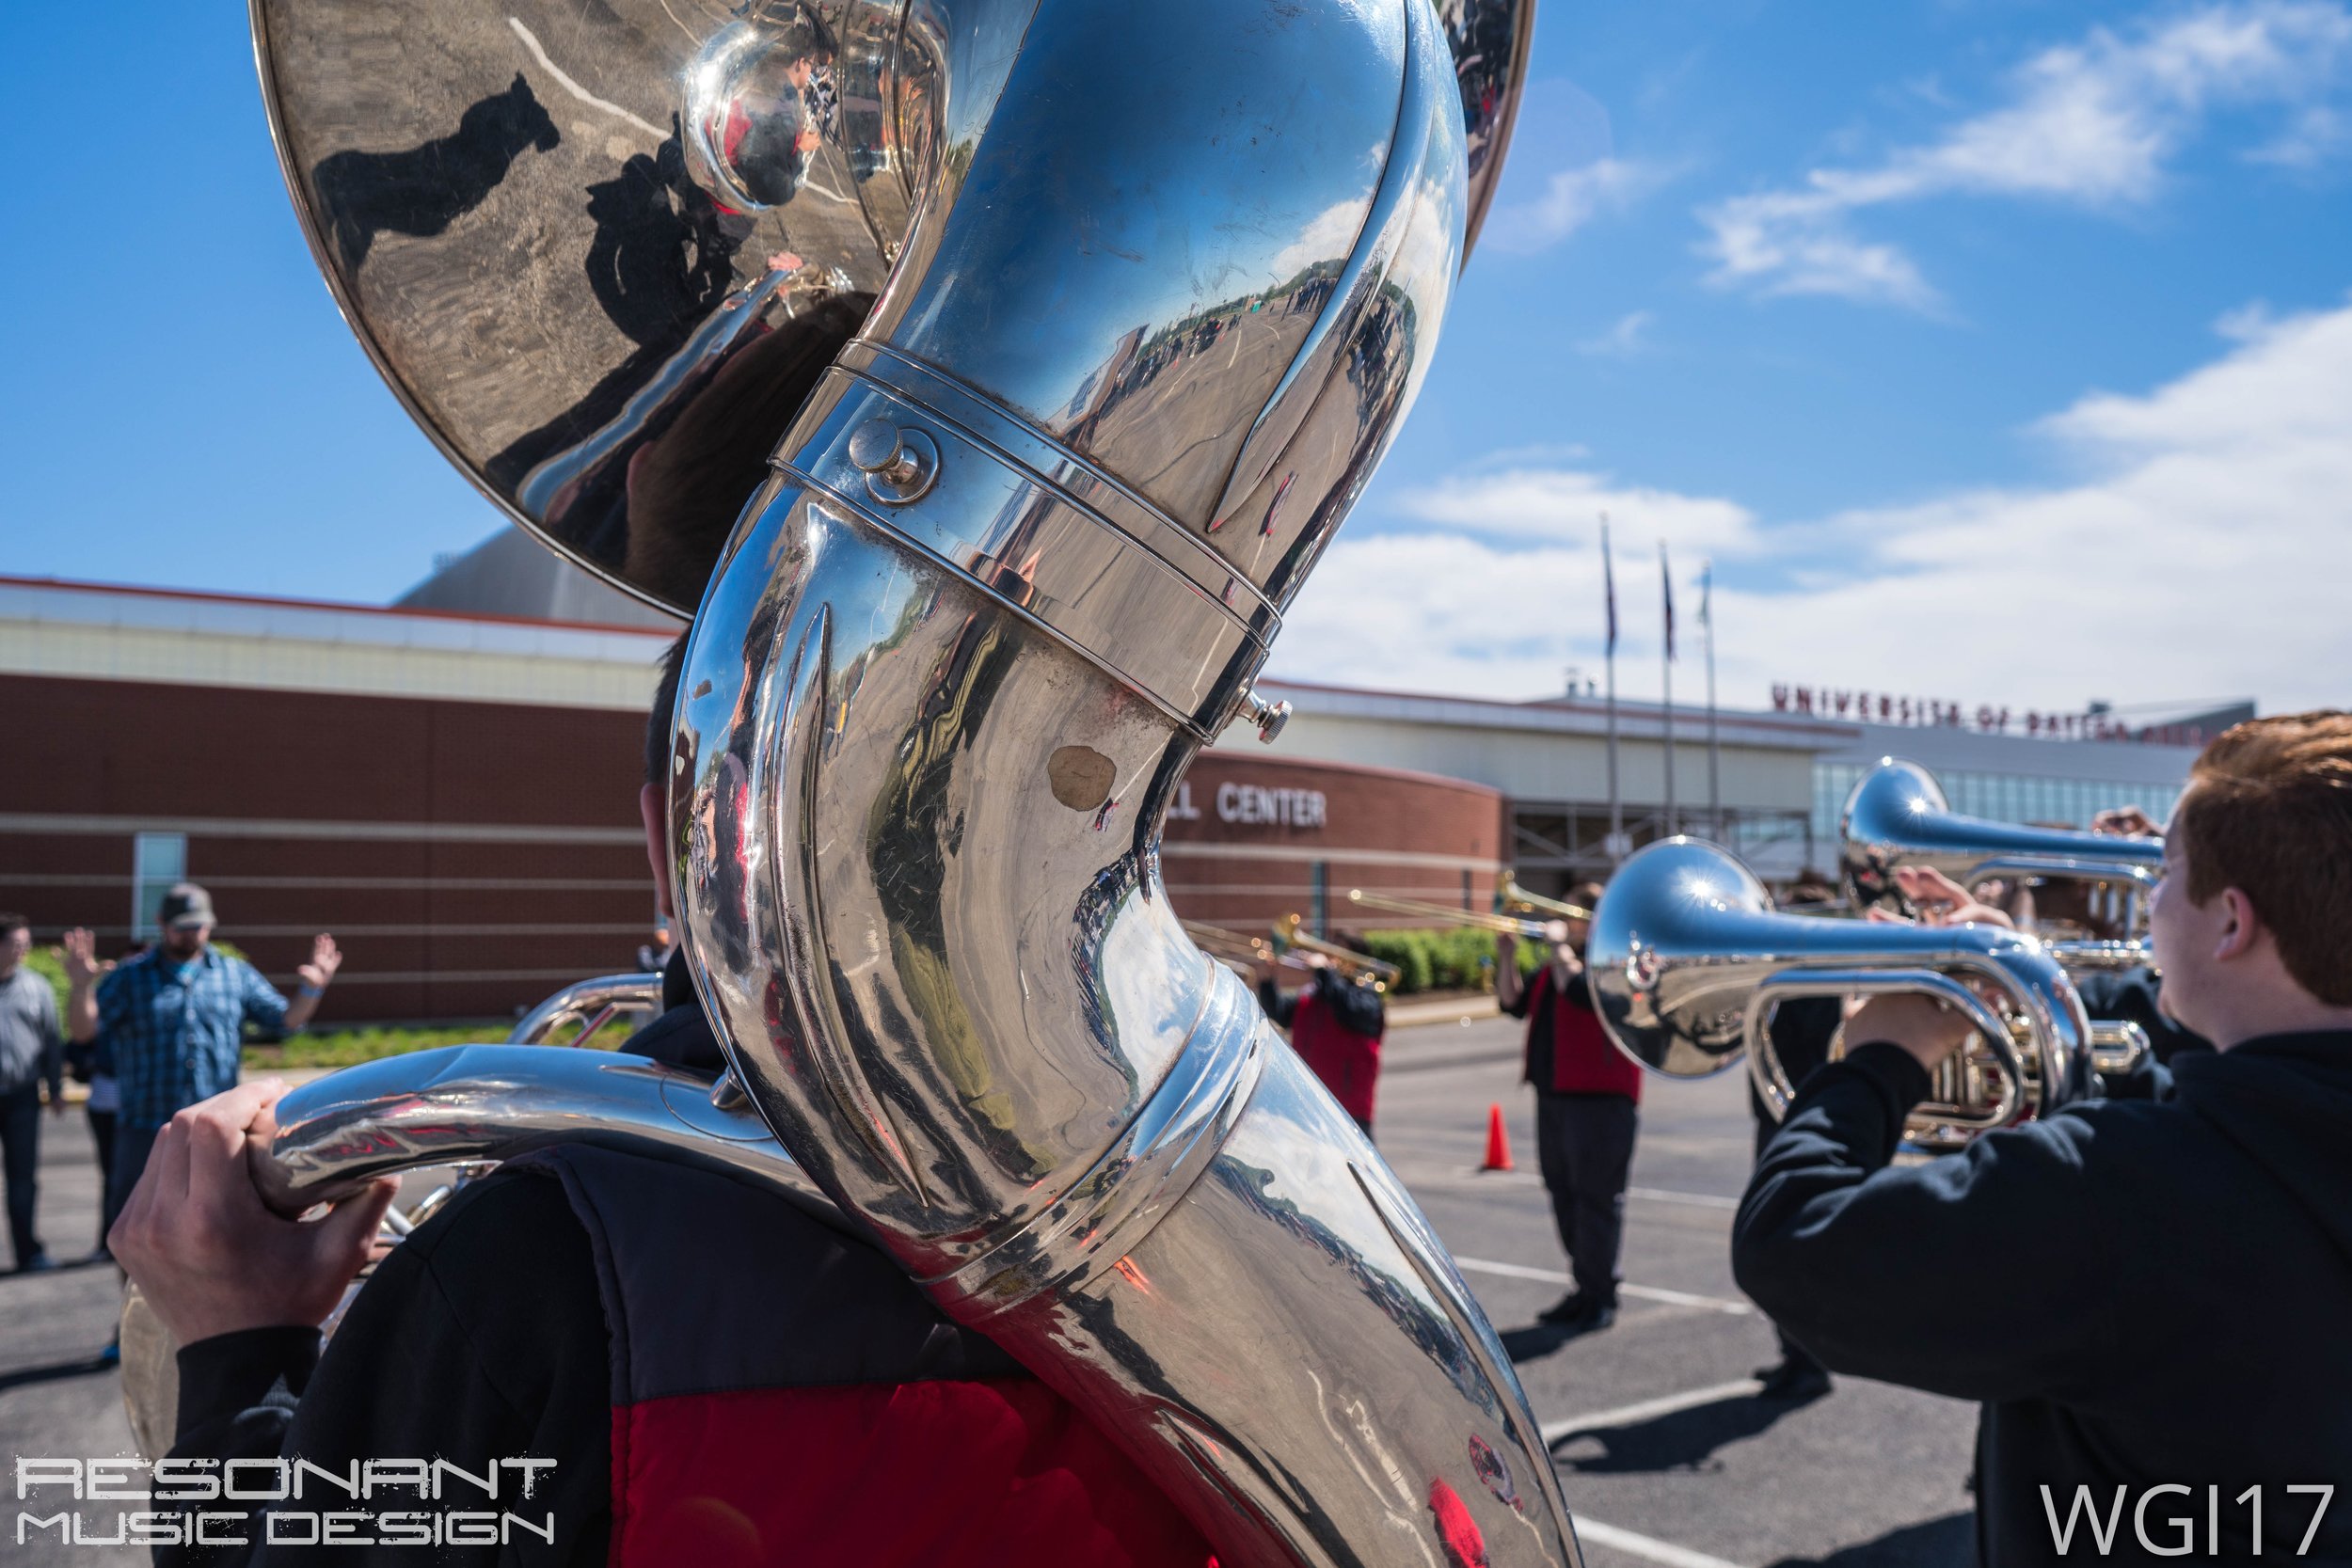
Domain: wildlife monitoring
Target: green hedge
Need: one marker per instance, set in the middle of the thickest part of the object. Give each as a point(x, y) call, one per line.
point(350, 1047)
point(1449, 958)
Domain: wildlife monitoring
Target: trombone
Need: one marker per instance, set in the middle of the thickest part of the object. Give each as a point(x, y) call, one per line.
point(1354, 965)
point(1236, 951)
point(1526, 926)
point(1511, 898)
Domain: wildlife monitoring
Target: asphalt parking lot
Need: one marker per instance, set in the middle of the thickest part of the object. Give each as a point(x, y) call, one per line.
point(1665, 1453)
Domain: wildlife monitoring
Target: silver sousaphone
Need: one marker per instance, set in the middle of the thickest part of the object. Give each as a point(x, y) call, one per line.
point(1689, 960)
point(1018, 359)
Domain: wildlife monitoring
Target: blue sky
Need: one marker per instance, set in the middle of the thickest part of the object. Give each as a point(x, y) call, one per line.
point(1994, 349)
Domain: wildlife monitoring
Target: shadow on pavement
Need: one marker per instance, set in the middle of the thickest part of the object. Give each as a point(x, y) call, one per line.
point(1946, 1543)
point(1537, 1341)
point(85, 1367)
point(1678, 1440)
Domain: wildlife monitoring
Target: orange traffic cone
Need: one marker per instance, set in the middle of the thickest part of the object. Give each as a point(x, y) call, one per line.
point(1497, 1142)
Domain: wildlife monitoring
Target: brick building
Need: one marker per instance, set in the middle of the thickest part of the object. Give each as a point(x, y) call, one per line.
point(453, 798)
point(453, 795)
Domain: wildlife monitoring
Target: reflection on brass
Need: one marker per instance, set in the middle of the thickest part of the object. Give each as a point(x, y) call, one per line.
point(964, 325)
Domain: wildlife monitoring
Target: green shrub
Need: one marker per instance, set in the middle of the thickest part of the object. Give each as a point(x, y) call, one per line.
point(1449, 958)
point(46, 964)
point(349, 1047)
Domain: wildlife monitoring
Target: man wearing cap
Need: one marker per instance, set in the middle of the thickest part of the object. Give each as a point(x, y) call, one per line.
point(174, 1020)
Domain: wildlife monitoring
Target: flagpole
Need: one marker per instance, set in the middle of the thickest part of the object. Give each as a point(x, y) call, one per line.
point(1665, 575)
point(1714, 785)
point(1617, 804)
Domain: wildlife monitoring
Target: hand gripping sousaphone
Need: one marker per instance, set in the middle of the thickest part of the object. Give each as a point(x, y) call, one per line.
point(1041, 346)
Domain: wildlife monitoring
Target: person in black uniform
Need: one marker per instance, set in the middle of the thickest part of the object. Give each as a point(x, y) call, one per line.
point(1588, 1097)
point(2148, 1296)
point(1336, 1026)
point(1802, 1029)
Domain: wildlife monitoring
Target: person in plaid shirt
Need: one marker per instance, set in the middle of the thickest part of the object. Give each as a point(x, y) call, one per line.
point(174, 1020)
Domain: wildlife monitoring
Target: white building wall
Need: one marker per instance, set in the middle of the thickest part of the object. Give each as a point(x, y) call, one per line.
point(98, 633)
point(1554, 751)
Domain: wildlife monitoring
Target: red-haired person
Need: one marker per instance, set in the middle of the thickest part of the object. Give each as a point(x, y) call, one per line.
point(2149, 1297)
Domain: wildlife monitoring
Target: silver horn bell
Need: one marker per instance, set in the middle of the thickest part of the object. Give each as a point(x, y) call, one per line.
point(1689, 958)
point(1897, 816)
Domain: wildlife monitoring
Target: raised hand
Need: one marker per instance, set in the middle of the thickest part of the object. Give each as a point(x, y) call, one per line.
point(78, 951)
point(1941, 901)
point(2126, 822)
point(326, 958)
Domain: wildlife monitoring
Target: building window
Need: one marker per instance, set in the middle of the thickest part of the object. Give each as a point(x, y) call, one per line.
point(157, 861)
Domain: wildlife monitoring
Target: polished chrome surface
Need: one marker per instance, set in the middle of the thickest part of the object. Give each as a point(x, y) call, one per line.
point(590, 1005)
point(601, 252)
point(1689, 958)
point(1897, 816)
point(1269, 719)
point(925, 749)
point(2117, 1046)
point(479, 1104)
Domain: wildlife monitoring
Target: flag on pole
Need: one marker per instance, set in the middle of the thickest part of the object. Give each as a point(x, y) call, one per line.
point(1706, 596)
point(1665, 574)
point(1609, 581)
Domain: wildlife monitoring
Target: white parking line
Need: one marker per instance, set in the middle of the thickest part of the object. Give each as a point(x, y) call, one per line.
point(1667, 1405)
point(1593, 1532)
point(530, 42)
point(1642, 1293)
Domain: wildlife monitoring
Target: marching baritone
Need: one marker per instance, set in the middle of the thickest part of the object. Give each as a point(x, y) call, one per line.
point(1587, 1108)
point(2147, 1296)
point(719, 1376)
point(1336, 1026)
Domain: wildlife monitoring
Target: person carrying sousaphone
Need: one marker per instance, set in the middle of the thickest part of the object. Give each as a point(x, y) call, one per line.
point(717, 1376)
point(1587, 1111)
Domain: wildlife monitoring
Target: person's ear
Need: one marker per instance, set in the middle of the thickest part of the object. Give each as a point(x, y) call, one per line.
point(2239, 924)
point(653, 808)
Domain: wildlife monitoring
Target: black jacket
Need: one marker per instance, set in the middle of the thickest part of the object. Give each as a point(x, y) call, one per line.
point(483, 1337)
point(2140, 1293)
point(1359, 1009)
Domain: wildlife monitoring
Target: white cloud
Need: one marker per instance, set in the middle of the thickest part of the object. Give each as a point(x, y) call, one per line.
point(1329, 233)
point(1628, 336)
point(1572, 198)
point(1564, 507)
point(2090, 124)
point(2202, 551)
